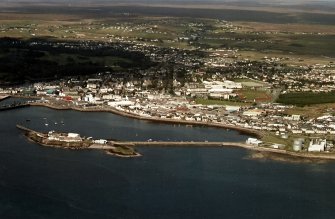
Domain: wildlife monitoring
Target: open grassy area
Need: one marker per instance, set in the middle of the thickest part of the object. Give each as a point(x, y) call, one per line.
point(220, 102)
point(312, 111)
point(246, 82)
point(271, 138)
point(255, 95)
point(306, 98)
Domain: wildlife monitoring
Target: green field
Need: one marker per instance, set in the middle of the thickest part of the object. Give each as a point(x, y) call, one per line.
point(220, 102)
point(306, 98)
point(255, 95)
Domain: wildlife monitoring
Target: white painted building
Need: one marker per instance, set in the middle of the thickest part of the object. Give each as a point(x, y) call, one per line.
point(100, 141)
point(317, 145)
point(254, 141)
point(120, 103)
point(89, 98)
point(73, 135)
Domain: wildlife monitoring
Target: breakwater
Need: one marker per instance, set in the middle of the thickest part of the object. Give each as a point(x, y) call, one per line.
point(14, 106)
point(309, 155)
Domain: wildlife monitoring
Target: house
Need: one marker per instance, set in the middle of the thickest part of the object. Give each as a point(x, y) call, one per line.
point(296, 117)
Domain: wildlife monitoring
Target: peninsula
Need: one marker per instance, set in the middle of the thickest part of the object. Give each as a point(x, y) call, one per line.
point(75, 141)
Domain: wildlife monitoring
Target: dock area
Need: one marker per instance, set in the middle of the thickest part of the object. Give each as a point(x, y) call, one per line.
point(167, 144)
point(14, 106)
point(126, 148)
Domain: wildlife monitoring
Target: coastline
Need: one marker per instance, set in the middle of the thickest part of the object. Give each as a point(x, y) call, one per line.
point(157, 120)
point(4, 97)
point(315, 155)
point(308, 155)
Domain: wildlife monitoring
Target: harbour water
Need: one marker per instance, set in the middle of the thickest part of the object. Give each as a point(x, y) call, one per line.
point(166, 182)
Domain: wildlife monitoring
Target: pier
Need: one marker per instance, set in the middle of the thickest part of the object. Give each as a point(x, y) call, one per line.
point(25, 129)
point(13, 106)
point(168, 144)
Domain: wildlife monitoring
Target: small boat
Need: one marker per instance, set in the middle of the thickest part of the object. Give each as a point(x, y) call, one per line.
point(46, 122)
point(56, 123)
point(27, 120)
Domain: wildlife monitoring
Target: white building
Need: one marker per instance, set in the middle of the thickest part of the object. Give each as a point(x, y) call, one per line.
point(253, 112)
point(296, 117)
point(317, 145)
point(100, 141)
point(111, 97)
point(73, 135)
point(253, 141)
point(120, 103)
point(89, 98)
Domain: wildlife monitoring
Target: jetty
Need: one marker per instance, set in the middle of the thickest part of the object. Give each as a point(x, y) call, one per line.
point(14, 106)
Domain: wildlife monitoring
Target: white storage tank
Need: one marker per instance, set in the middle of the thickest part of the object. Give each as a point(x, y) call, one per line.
point(297, 144)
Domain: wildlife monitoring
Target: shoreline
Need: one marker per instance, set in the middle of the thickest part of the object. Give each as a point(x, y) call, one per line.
point(156, 120)
point(4, 97)
point(307, 155)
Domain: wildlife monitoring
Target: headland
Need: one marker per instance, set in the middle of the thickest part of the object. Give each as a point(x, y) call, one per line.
point(75, 141)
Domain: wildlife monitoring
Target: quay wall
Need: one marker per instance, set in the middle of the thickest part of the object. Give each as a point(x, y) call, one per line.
point(159, 120)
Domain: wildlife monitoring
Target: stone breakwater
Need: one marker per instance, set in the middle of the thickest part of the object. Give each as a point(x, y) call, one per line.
point(309, 155)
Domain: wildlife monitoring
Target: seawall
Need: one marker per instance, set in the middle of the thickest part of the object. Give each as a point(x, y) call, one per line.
point(158, 120)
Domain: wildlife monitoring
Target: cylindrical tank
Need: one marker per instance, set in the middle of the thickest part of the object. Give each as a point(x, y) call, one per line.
point(297, 144)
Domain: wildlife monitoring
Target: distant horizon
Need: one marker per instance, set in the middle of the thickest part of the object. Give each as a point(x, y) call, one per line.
point(195, 1)
point(324, 5)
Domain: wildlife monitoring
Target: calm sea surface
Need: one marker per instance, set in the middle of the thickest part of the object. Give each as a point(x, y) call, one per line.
point(42, 182)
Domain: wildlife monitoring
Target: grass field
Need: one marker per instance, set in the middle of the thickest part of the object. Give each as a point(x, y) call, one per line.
point(246, 82)
point(312, 111)
point(306, 98)
point(253, 95)
point(220, 102)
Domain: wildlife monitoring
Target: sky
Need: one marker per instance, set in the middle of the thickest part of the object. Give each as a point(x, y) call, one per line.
point(290, 2)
